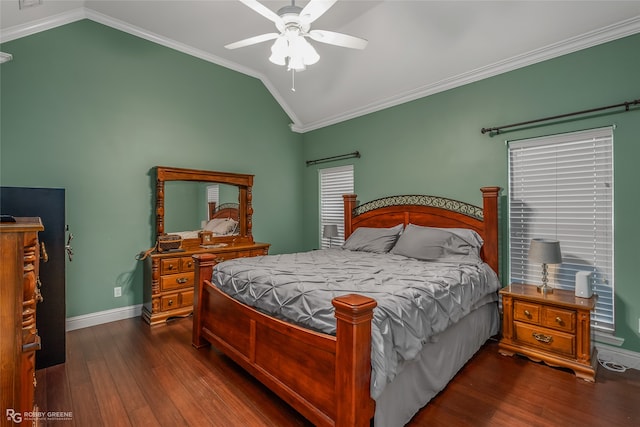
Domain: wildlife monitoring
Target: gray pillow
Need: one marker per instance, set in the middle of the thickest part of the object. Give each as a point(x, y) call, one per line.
point(439, 244)
point(378, 240)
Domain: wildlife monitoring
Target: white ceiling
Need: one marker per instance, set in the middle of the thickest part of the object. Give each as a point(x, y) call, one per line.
point(416, 48)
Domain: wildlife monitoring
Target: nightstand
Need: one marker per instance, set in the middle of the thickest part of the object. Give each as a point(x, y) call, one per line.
point(554, 328)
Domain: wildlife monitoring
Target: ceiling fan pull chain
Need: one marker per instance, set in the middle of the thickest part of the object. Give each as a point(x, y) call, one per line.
point(293, 80)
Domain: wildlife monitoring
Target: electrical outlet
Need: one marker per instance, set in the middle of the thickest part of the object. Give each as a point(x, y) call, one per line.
point(117, 291)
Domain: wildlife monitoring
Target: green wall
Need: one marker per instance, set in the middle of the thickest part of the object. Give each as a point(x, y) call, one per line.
point(91, 109)
point(434, 146)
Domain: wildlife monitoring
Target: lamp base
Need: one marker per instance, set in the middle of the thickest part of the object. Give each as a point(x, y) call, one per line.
point(545, 289)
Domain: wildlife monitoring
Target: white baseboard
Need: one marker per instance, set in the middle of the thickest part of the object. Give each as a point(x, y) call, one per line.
point(92, 319)
point(619, 356)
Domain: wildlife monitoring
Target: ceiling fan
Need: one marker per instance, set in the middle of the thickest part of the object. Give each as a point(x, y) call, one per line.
point(293, 23)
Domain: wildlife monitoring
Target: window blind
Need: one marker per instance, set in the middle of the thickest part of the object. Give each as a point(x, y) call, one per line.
point(561, 187)
point(334, 182)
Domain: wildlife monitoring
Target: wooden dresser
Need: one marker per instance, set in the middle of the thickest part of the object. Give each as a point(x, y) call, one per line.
point(169, 278)
point(19, 295)
point(554, 328)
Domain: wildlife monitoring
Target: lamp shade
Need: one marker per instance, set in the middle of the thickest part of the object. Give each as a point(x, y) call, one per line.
point(545, 251)
point(330, 231)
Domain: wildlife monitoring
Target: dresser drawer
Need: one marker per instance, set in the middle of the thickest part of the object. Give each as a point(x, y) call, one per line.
point(560, 319)
point(176, 281)
point(227, 255)
point(187, 264)
point(546, 339)
point(526, 312)
point(176, 300)
point(170, 266)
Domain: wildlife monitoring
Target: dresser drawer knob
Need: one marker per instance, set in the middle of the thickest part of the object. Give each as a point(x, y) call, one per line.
point(559, 320)
point(170, 302)
point(527, 313)
point(182, 280)
point(170, 266)
point(542, 338)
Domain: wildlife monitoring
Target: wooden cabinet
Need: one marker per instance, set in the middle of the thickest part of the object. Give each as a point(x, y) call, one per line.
point(19, 295)
point(554, 328)
point(169, 278)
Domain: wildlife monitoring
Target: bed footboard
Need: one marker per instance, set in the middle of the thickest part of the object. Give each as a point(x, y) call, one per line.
point(325, 378)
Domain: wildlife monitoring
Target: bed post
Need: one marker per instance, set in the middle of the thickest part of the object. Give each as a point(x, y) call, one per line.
point(353, 360)
point(349, 205)
point(491, 226)
point(203, 271)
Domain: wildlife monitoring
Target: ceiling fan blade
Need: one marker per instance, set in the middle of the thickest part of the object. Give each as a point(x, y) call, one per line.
point(314, 10)
point(253, 40)
point(338, 39)
point(263, 10)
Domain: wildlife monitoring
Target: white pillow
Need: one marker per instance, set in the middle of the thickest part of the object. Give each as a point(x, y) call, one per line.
point(221, 226)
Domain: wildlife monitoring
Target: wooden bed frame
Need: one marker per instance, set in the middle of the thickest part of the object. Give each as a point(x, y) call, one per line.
point(327, 378)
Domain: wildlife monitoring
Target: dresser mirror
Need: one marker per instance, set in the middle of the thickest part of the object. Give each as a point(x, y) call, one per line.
point(189, 201)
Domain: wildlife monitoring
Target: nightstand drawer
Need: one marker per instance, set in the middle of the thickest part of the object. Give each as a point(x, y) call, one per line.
point(175, 281)
point(547, 339)
point(526, 312)
point(558, 318)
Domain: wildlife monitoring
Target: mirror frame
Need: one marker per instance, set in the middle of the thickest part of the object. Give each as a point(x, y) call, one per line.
point(244, 183)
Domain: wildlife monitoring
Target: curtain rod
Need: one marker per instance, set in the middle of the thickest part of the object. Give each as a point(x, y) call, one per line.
point(330, 159)
point(626, 106)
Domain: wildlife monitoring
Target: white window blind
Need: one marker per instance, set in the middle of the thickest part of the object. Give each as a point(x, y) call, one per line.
point(561, 187)
point(213, 194)
point(334, 182)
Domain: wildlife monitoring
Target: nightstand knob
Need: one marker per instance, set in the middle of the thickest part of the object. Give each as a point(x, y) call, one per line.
point(170, 302)
point(527, 313)
point(559, 320)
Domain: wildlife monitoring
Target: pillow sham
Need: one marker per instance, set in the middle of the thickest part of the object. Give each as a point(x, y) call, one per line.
point(221, 226)
point(439, 244)
point(378, 240)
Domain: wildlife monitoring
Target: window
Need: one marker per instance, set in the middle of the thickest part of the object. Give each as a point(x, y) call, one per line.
point(213, 199)
point(561, 187)
point(334, 182)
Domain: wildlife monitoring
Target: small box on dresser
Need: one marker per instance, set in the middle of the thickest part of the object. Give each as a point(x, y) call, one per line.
point(554, 328)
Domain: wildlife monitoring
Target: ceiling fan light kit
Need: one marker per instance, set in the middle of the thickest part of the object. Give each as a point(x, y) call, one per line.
point(291, 48)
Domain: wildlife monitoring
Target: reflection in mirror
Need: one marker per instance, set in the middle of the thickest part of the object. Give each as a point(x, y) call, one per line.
point(184, 204)
point(190, 205)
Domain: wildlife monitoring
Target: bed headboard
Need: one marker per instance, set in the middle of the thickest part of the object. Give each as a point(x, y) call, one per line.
point(430, 211)
point(227, 210)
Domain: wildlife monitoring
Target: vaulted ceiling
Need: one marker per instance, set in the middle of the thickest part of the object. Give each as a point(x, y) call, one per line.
point(416, 48)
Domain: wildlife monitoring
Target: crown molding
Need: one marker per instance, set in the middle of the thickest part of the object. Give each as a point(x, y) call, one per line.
point(39, 25)
point(602, 35)
point(58, 20)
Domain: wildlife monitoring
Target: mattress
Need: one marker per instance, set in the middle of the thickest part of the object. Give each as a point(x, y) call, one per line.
point(416, 299)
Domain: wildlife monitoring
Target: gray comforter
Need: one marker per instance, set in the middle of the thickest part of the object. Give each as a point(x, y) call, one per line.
point(416, 299)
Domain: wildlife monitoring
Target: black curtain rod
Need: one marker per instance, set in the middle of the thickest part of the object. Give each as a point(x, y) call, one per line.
point(626, 106)
point(330, 159)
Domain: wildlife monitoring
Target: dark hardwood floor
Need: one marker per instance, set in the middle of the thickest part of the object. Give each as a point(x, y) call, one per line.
point(128, 374)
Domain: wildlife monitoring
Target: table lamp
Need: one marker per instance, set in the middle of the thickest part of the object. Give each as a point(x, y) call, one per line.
point(330, 231)
point(545, 251)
